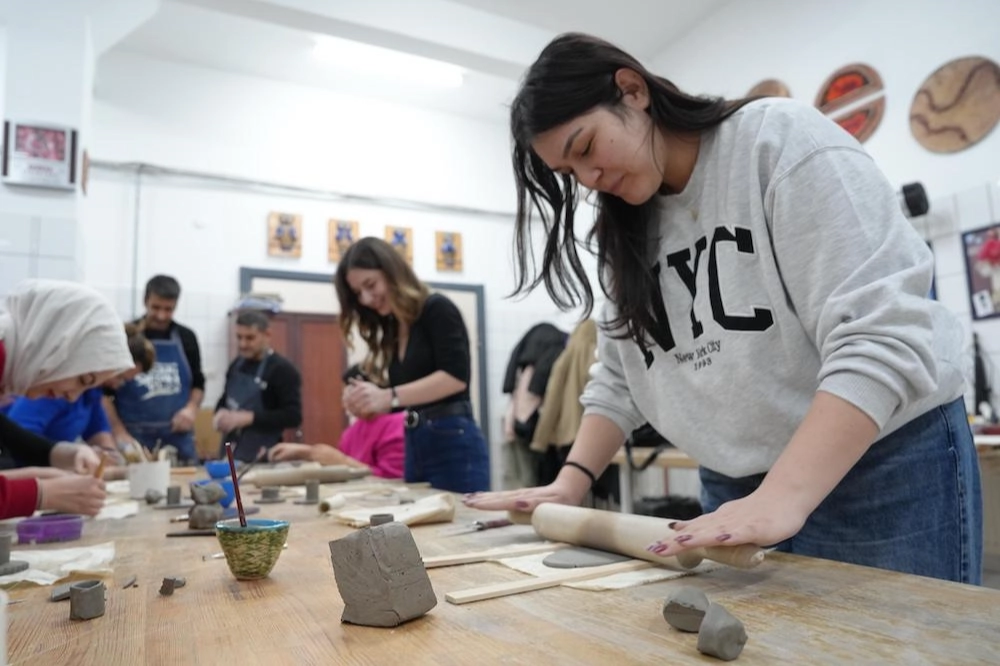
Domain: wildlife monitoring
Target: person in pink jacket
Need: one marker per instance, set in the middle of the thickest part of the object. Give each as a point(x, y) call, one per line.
point(374, 441)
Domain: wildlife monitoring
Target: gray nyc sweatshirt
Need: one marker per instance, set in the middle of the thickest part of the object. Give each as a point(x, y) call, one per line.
point(786, 267)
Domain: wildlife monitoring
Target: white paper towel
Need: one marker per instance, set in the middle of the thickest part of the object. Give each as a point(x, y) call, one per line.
point(46, 567)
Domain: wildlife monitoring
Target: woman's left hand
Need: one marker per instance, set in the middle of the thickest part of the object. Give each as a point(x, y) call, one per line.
point(366, 398)
point(759, 518)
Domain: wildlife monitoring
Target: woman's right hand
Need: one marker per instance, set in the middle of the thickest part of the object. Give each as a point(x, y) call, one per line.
point(526, 499)
point(73, 494)
point(289, 451)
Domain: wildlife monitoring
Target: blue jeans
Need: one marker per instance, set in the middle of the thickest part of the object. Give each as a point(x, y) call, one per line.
point(449, 453)
point(913, 503)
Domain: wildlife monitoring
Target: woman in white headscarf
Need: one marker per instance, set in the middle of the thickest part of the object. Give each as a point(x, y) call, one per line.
point(57, 339)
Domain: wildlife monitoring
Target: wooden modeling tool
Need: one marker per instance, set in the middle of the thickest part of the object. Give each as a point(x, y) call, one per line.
point(236, 484)
point(99, 474)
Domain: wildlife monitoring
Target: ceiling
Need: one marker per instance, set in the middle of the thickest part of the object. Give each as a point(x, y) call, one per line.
point(493, 41)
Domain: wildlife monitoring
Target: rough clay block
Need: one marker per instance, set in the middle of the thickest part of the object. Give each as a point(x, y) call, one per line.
point(381, 576)
point(721, 635)
point(87, 600)
point(60, 592)
point(169, 584)
point(684, 608)
point(174, 495)
point(208, 493)
point(377, 519)
point(204, 516)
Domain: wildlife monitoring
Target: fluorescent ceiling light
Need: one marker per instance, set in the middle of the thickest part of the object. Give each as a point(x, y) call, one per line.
point(385, 63)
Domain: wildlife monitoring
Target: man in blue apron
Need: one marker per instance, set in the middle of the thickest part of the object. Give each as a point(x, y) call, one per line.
point(263, 395)
point(159, 407)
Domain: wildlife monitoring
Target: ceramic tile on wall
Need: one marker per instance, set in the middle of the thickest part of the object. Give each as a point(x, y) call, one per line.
point(18, 234)
point(52, 268)
point(57, 237)
point(974, 207)
point(13, 269)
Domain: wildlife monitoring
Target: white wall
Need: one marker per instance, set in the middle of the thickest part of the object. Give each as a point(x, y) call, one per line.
point(184, 117)
point(802, 42)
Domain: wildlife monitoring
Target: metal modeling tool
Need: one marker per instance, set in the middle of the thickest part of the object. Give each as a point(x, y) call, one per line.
point(477, 526)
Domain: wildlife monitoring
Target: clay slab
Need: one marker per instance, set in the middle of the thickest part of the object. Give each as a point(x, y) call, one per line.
point(578, 558)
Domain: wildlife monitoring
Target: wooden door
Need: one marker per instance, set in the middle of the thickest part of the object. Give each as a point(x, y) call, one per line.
point(315, 345)
point(322, 361)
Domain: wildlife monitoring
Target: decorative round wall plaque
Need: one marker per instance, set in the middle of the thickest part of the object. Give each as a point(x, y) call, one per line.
point(957, 105)
point(853, 98)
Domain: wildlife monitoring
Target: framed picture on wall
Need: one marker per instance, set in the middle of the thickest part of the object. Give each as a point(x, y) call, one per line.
point(284, 235)
point(982, 270)
point(342, 234)
point(448, 248)
point(39, 155)
point(401, 238)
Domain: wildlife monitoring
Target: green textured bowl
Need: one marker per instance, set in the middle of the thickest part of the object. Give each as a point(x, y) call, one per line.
point(252, 551)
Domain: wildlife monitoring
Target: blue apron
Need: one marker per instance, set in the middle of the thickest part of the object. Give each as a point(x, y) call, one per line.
point(147, 403)
point(246, 392)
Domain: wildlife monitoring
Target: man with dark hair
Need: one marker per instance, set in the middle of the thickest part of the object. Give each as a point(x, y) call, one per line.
point(159, 407)
point(263, 394)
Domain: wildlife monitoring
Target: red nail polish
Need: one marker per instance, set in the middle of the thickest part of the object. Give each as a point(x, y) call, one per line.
point(521, 504)
point(682, 538)
point(724, 537)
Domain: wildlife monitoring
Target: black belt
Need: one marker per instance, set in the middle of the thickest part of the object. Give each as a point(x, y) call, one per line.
point(415, 417)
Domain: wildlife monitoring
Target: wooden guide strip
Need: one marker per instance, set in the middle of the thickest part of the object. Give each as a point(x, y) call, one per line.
point(541, 582)
point(491, 554)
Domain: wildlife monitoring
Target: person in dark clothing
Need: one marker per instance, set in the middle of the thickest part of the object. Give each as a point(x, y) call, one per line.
point(160, 406)
point(418, 359)
point(263, 394)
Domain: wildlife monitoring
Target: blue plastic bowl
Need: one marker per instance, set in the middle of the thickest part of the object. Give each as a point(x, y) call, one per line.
point(217, 469)
point(227, 485)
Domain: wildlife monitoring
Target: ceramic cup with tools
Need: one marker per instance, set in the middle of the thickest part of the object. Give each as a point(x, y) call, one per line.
point(146, 476)
point(252, 551)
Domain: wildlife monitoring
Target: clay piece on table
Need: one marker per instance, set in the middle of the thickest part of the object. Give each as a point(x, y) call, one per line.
point(171, 583)
point(131, 582)
point(7, 565)
point(721, 635)
point(684, 608)
point(209, 493)
point(312, 493)
point(204, 516)
point(579, 557)
point(87, 600)
point(153, 496)
point(60, 592)
point(381, 576)
point(380, 519)
point(174, 495)
point(270, 495)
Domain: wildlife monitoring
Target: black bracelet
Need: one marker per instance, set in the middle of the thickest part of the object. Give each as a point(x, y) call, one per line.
point(570, 463)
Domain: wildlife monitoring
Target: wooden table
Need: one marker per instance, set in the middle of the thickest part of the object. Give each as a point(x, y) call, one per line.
point(795, 609)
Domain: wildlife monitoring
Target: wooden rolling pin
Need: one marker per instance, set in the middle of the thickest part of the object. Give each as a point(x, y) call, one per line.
point(629, 534)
